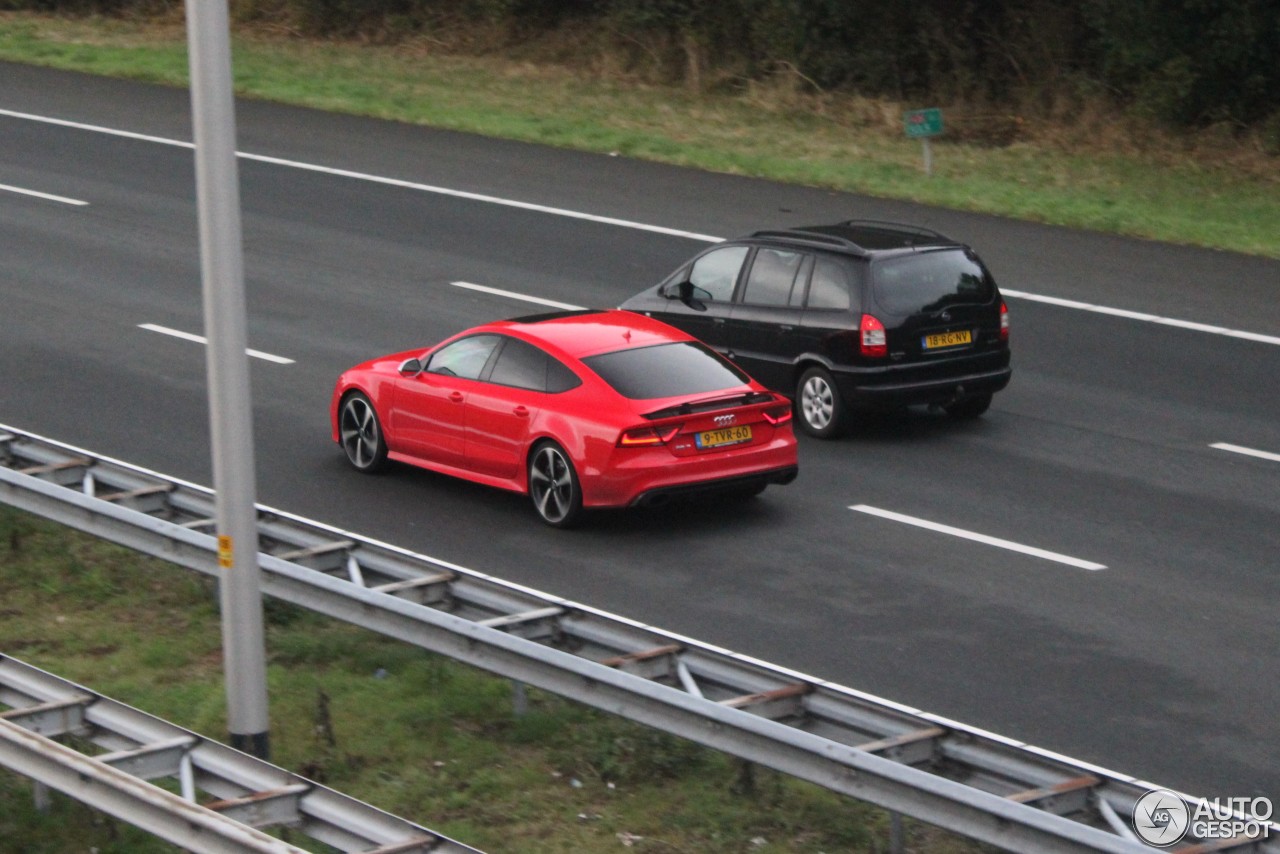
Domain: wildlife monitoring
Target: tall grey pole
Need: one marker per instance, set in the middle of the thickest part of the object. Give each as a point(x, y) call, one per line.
point(230, 411)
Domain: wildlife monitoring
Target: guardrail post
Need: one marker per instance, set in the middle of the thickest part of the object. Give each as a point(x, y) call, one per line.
point(519, 698)
point(897, 836)
point(40, 797)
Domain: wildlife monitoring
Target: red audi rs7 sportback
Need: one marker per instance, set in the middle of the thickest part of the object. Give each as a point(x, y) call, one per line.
point(577, 409)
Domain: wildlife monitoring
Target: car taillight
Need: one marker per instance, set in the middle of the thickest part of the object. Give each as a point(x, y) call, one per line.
point(872, 342)
point(1004, 322)
point(638, 437)
point(780, 415)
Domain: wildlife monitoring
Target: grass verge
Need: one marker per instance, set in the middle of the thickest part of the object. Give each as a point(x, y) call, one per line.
point(1079, 170)
point(405, 730)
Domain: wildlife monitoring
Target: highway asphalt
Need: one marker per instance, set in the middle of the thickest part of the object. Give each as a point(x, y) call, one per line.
point(1141, 431)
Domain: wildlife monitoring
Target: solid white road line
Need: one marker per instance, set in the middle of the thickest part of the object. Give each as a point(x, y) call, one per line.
point(200, 339)
point(46, 196)
point(1148, 318)
point(657, 229)
point(378, 179)
point(513, 295)
point(980, 538)
point(1248, 452)
point(479, 197)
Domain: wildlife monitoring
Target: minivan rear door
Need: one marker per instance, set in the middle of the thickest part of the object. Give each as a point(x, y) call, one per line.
point(936, 303)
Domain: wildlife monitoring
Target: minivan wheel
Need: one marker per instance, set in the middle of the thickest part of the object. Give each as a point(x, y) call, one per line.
point(819, 406)
point(969, 407)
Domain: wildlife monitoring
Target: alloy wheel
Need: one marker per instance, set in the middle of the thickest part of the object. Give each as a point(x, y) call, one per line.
point(553, 486)
point(360, 434)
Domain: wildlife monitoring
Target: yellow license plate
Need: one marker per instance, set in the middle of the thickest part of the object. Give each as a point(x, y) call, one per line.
point(948, 339)
point(719, 438)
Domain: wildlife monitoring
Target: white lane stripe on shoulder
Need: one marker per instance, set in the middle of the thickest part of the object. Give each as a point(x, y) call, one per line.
point(979, 538)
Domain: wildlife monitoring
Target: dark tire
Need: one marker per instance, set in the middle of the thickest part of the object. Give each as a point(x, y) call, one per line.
point(819, 407)
point(969, 407)
point(360, 434)
point(554, 487)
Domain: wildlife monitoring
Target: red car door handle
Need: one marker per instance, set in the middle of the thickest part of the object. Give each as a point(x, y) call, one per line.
point(523, 412)
point(455, 396)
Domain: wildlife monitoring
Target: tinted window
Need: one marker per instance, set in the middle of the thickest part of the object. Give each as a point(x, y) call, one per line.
point(772, 276)
point(560, 378)
point(930, 281)
point(523, 365)
point(802, 279)
point(716, 273)
point(666, 370)
point(464, 358)
point(830, 284)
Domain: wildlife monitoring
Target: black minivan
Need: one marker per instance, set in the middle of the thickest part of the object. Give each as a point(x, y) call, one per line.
point(859, 315)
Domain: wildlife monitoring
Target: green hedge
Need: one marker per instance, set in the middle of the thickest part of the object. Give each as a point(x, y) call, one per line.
point(1190, 63)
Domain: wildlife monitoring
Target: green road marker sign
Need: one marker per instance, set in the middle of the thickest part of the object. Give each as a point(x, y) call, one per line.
point(922, 124)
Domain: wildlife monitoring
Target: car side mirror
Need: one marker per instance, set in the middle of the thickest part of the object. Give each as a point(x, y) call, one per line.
point(691, 295)
point(687, 293)
point(410, 367)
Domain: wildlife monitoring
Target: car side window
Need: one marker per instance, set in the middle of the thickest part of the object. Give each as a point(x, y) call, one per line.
point(559, 377)
point(464, 358)
point(801, 287)
point(520, 365)
point(715, 274)
point(772, 277)
point(829, 285)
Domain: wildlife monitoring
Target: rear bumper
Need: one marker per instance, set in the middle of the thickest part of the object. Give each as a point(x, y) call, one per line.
point(886, 389)
point(741, 483)
point(638, 477)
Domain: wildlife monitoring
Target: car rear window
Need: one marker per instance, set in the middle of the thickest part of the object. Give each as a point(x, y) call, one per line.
point(930, 281)
point(665, 370)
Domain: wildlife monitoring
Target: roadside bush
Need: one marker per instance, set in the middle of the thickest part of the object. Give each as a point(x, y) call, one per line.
point(1185, 63)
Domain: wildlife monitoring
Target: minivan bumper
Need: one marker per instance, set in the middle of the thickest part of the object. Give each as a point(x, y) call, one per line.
point(884, 389)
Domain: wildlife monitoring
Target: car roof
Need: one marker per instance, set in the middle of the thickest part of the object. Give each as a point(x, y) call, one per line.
point(590, 331)
point(863, 237)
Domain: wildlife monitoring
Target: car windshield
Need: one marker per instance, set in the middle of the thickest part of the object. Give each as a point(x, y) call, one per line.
point(930, 281)
point(666, 370)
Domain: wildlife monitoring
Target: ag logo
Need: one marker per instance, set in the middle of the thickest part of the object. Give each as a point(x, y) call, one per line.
point(1161, 818)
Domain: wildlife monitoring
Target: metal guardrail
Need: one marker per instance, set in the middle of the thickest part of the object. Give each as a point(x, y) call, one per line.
point(972, 782)
point(240, 793)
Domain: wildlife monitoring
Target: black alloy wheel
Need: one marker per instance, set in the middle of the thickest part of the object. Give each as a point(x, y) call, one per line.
point(360, 434)
point(554, 487)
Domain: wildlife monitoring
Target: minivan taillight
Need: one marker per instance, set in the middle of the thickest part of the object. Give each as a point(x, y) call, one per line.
point(1004, 322)
point(872, 341)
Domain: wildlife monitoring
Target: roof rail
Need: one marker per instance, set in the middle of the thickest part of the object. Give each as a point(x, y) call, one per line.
point(895, 226)
point(809, 236)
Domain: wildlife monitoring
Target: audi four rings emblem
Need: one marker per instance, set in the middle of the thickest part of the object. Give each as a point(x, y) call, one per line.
point(724, 419)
